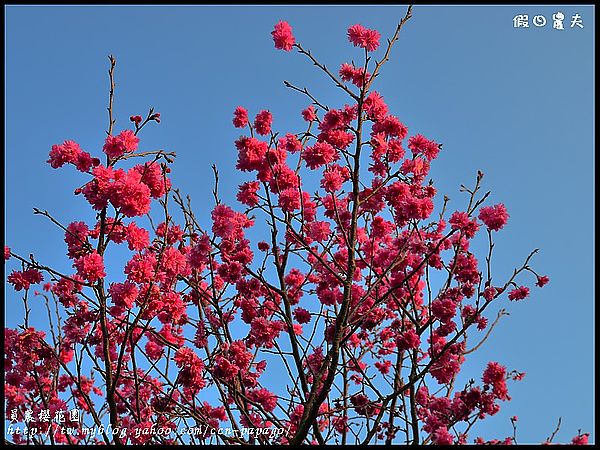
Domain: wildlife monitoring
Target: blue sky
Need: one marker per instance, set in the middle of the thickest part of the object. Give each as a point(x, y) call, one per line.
point(514, 103)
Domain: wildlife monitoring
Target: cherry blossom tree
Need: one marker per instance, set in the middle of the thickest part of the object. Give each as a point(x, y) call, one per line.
point(347, 323)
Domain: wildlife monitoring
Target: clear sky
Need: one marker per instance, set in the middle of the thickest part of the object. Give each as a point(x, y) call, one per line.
point(517, 104)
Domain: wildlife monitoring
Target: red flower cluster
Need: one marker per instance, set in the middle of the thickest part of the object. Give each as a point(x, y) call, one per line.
point(117, 146)
point(357, 76)
point(309, 114)
point(240, 117)
point(191, 370)
point(70, 152)
point(363, 37)
point(23, 280)
point(319, 154)
point(419, 144)
point(518, 293)
point(495, 376)
point(461, 221)
point(494, 217)
point(129, 191)
point(283, 37)
point(262, 123)
point(90, 267)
